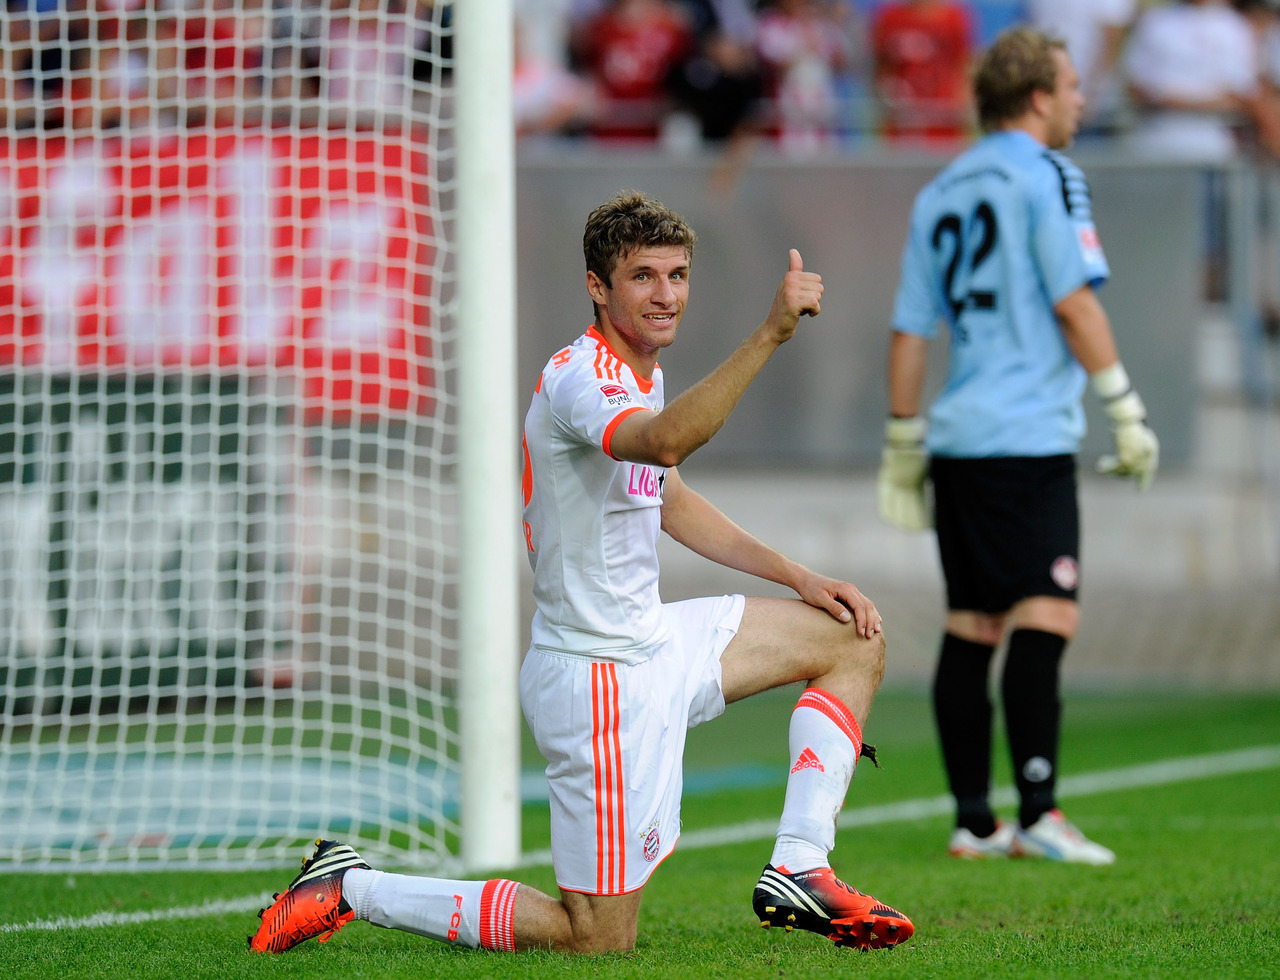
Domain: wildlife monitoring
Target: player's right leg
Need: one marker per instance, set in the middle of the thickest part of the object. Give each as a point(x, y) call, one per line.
point(781, 641)
point(335, 888)
point(962, 711)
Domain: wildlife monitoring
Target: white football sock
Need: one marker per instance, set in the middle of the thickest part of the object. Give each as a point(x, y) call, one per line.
point(825, 740)
point(464, 913)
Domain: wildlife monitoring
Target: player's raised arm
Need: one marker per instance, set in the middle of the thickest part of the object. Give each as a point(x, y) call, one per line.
point(669, 437)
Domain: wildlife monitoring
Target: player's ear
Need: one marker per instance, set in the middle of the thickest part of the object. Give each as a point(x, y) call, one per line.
point(597, 288)
point(1040, 100)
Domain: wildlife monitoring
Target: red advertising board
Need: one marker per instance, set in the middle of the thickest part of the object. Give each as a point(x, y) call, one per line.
point(302, 253)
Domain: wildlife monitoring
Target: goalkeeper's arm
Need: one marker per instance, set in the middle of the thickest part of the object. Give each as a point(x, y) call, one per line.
point(1088, 333)
point(902, 483)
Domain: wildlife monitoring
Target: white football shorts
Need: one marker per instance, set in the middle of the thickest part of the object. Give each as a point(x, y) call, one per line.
point(613, 735)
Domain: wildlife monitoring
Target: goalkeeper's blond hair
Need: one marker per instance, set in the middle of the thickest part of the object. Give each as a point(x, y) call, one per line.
point(1018, 63)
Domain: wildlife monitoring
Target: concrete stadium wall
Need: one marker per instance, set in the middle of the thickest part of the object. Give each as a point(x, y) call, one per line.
point(823, 398)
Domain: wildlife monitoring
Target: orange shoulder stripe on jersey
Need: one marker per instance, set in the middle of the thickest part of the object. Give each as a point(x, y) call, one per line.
point(644, 385)
point(607, 442)
point(606, 364)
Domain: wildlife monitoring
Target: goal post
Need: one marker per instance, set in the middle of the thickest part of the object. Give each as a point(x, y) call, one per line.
point(258, 444)
point(488, 589)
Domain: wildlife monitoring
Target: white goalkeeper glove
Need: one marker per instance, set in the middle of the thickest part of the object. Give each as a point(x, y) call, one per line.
point(904, 468)
point(1137, 448)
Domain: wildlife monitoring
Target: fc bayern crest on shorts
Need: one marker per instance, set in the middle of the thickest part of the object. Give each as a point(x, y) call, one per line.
point(652, 845)
point(1065, 573)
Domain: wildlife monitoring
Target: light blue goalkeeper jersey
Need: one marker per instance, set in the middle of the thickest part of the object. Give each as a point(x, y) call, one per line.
point(996, 239)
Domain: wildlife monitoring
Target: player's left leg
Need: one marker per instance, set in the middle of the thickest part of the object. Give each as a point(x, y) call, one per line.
point(1041, 628)
point(781, 641)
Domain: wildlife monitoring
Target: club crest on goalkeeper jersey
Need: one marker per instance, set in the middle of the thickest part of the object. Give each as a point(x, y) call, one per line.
point(1003, 233)
point(591, 521)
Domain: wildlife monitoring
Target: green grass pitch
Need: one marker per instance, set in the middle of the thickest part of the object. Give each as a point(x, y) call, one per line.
point(1196, 890)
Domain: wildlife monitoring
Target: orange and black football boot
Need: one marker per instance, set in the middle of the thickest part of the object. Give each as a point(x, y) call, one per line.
point(820, 902)
point(313, 905)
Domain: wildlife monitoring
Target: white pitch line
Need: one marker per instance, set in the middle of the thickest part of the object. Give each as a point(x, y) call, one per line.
point(100, 919)
point(1109, 780)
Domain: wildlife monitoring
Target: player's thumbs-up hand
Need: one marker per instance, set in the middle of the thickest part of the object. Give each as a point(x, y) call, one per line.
point(798, 294)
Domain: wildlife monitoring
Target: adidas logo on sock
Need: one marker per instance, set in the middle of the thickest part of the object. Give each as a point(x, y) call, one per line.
point(808, 760)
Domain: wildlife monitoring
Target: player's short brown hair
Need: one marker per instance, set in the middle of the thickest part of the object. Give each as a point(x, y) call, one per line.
point(1019, 62)
point(628, 222)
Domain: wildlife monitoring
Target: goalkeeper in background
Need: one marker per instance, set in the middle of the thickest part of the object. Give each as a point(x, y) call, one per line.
point(1002, 248)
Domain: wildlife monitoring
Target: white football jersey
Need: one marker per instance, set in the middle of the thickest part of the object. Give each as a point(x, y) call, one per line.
point(591, 521)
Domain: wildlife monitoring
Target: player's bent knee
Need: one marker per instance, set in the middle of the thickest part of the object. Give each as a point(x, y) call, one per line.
point(866, 654)
point(879, 649)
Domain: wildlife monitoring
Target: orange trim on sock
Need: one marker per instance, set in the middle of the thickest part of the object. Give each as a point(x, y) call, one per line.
point(837, 711)
point(497, 915)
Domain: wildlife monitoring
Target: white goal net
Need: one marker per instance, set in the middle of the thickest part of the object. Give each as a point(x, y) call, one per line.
point(229, 550)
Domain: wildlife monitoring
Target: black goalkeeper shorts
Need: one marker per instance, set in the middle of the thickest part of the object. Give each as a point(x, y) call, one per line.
point(1008, 529)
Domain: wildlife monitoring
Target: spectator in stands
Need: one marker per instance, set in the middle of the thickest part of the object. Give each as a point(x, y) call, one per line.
point(547, 98)
point(629, 51)
point(367, 58)
point(1193, 74)
point(544, 26)
point(17, 83)
point(922, 51)
point(55, 40)
point(804, 49)
point(112, 80)
point(225, 62)
point(720, 83)
point(155, 41)
point(294, 77)
point(1094, 32)
point(1264, 19)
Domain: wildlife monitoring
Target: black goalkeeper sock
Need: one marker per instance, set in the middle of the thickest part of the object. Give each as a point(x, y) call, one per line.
point(1033, 714)
point(962, 710)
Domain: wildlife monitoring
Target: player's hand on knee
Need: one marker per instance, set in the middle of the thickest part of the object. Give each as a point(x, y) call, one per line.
point(843, 600)
point(901, 491)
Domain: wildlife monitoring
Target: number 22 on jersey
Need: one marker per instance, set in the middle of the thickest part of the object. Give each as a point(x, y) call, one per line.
point(963, 246)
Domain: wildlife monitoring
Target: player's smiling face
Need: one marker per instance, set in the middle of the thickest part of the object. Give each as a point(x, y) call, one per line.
point(645, 299)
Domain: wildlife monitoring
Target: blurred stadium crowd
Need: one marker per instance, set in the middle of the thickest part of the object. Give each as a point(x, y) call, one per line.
point(1192, 78)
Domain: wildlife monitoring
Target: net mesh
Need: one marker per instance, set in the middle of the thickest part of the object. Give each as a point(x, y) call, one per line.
point(227, 557)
